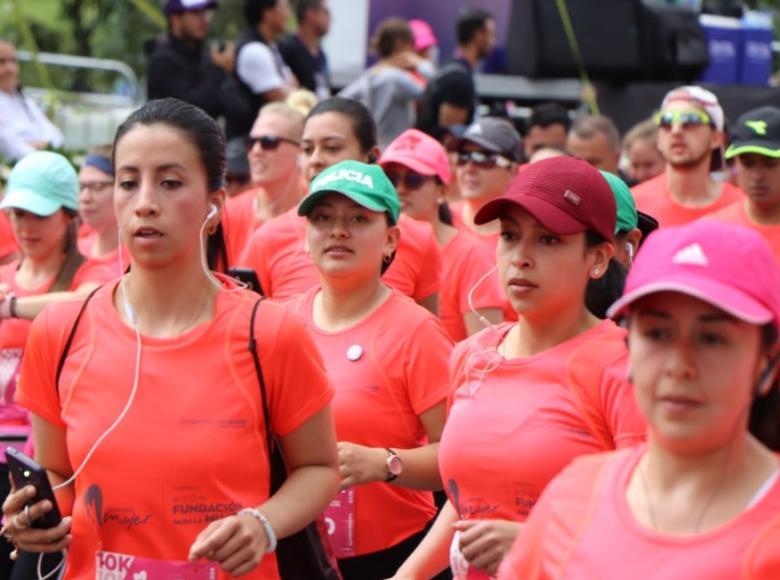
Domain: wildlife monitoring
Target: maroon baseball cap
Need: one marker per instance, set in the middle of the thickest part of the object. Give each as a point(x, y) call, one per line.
point(566, 195)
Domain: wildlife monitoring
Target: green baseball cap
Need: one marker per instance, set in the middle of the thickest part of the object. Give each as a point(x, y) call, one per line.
point(366, 185)
point(42, 183)
point(627, 218)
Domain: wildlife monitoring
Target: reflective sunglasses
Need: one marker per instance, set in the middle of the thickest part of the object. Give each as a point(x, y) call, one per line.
point(482, 160)
point(268, 142)
point(410, 179)
point(685, 119)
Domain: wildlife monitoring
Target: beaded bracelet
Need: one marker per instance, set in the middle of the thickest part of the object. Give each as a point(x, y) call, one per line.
point(269, 529)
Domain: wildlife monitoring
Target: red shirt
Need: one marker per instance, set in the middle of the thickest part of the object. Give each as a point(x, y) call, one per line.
point(489, 240)
point(192, 447)
point(736, 214)
point(583, 528)
point(276, 252)
point(514, 424)
point(401, 373)
point(239, 222)
point(467, 265)
point(654, 198)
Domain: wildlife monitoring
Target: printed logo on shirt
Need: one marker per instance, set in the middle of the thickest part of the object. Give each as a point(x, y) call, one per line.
point(190, 506)
point(124, 517)
point(692, 255)
point(346, 175)
point(758, 127)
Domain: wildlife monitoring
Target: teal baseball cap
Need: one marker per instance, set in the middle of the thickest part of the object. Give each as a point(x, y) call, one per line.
point(366, 185)
point(627, 218)
point(42, 182)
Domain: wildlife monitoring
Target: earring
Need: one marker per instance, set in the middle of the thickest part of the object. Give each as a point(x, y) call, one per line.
point(596, 271)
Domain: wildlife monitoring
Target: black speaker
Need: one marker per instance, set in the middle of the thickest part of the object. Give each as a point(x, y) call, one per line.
point(620, 40)
point(607, 31)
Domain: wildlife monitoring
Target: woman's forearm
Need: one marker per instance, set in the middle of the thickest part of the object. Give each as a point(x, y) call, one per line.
point(28, 307)
point(302, 498)
point(421, 468)
point(431, 556)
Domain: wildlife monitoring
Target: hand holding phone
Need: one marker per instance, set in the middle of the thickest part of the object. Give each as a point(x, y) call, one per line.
point(25, 471)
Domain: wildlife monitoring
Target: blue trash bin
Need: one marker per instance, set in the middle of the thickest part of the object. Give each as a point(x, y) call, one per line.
point(755, 65)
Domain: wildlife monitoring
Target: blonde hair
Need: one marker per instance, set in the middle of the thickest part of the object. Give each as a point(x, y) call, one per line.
point(301, 102)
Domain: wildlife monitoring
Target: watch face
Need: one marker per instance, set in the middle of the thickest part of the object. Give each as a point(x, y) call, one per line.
point(394, 465)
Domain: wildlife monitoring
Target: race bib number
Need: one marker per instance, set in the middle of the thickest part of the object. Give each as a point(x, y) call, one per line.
point(113, 566)
point(340, 520)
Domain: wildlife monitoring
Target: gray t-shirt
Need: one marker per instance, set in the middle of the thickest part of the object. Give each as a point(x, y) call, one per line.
point(390, 94)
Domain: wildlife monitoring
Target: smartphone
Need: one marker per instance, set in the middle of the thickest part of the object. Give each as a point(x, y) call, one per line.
point(25, 471)
point(248, 277)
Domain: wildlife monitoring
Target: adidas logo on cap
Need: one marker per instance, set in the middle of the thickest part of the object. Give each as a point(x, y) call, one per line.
point(692, 254)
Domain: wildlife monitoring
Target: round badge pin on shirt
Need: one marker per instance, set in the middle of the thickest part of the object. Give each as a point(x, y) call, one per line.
point(354, 352)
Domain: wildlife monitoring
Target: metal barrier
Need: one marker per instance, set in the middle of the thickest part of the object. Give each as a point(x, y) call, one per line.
point(86, 118)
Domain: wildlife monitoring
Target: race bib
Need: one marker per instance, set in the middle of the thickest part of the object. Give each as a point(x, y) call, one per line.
point(113, 566)
point(340, 520)
point(461, 569)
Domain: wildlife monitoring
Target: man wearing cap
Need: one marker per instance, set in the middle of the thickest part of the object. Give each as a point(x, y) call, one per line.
point(302, 50)
point(690, 139)
point(755, 147)
point(181, 66)
point(487, 158)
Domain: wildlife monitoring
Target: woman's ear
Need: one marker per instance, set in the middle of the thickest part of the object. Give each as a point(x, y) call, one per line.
point(373, 155)
point(600, 256)
point(769, 375)
point(391, 241)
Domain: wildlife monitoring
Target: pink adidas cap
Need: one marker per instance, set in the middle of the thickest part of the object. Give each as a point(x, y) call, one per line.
point(728, 266)
point(423, 34)
point(419, 152)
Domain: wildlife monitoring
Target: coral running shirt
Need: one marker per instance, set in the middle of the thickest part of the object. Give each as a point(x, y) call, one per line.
point(192, 447)
point(8, 243)
point(276, 252)
point(465, 261)
point(736, 214)
point(13, 337)
point(116, 263)
point(239, 222)
point(399, 372)
point(583, 528)
point(514, 424)
point(653, 198)
point(490, 241)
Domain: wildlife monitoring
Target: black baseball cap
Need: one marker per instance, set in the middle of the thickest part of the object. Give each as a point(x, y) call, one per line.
point(174, 6)
point(757, 131)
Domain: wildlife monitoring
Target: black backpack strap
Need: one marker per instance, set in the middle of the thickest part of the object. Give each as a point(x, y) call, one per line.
point(64, 355)
point(259, 373)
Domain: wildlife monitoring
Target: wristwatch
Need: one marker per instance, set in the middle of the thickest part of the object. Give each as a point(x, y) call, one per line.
point(394, 465)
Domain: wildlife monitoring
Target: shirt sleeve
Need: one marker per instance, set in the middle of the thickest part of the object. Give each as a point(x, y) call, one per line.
point(256, 258)
point(37, 389)
point(429, 279)
point(406, 87)
point(49, 132)
point(94, 272)
point(480, 275)
point(256, 67)
point(625, 420)
point(298, 386)
point(426, 357)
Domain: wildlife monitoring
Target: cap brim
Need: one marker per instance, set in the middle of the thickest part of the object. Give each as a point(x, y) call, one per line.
point(766, 148)
point(412, 162)
point(477, 140)
point(308, 203)
point(30, 201)
point(726, 298)
point(647, 224)
point(553, 219)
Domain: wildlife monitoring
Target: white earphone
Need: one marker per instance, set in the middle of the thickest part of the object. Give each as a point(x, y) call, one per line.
point(212, 211)
point(630, 251)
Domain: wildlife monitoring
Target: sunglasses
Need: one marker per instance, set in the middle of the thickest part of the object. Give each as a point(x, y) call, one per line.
point(482, 160)
point(411, 180)
point(268, 142)
point(685, 119)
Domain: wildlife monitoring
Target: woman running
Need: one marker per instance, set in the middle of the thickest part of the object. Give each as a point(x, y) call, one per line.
point(701, 499)
point(153, 424)
point(387, 358)
point(470, 294)
point(528, 397)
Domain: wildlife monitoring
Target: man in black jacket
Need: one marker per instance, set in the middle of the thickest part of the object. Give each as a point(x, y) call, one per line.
point(181, 65)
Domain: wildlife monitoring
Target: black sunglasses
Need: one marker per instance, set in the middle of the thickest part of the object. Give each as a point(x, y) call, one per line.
point(268, 142)
point(482, 160)
point(410, 179)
